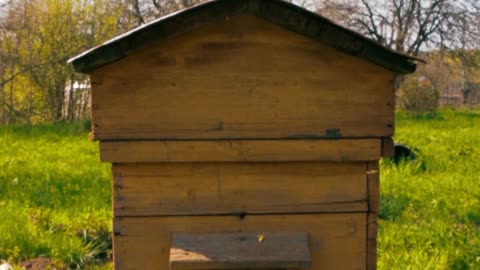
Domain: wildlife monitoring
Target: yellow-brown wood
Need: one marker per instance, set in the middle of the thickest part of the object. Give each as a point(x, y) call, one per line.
point(388, 147)
point(373, 180)
point(235, 127)
point(242, 79)
point(373, 186)
point(225, 188)
point(240, 150)
point(239, 250)
point(372, 228)
point(336, 241)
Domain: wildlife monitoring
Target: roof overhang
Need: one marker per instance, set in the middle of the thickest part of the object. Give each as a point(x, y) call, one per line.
point(279, 12)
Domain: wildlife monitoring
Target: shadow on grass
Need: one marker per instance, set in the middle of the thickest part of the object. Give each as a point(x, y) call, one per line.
point(472, 216)
point(392, 206)
point(469, 114)
point(459, 263)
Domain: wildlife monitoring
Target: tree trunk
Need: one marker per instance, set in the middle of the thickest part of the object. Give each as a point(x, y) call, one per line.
point(10, 118)
point(2, 90)
point(71, 103)
point(86, 102)
point(30, 103)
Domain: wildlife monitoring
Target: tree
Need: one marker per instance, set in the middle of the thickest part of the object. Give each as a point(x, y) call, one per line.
point(36, 39)
point(147, 10)
point(411, 26)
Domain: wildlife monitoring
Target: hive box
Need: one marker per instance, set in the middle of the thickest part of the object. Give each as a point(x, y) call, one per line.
point(244, 135)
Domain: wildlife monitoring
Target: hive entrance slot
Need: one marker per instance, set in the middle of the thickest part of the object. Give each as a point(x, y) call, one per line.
point(240, 251)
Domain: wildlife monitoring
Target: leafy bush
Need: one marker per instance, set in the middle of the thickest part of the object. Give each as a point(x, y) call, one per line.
point(418, 96)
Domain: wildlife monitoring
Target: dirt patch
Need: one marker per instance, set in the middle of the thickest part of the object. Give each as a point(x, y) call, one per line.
point(40, 263)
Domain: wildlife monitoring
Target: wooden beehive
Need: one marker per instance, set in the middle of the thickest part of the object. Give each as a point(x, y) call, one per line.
point(244, 135)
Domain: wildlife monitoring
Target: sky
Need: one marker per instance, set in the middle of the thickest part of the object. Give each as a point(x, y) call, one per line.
point(2, 9)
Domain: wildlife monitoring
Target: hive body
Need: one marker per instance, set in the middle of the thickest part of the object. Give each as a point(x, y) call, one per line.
point(241, 127)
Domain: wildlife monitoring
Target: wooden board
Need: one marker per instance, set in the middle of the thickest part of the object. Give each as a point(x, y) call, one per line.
point(373, 178)
point(240, 150)
point(372, 229)
point(242, 79)
point(236, 188)
point(261, 250)
point(388, 147)
point(336, 241)
point(373, 186)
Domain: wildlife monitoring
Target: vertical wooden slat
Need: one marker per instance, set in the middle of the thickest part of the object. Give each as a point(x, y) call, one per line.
point(373, 182)
point(388, 147)
point(372, 241)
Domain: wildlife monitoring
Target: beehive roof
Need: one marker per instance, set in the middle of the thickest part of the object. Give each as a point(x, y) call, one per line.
point(279, 12)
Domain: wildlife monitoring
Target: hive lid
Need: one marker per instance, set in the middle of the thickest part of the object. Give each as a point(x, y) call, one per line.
point(279, 12)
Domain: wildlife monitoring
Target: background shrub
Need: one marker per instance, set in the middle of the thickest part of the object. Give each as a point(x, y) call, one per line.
point(418, 96)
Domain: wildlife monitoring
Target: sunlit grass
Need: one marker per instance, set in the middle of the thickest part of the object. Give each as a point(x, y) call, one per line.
point(54, 196)
point(430, 208)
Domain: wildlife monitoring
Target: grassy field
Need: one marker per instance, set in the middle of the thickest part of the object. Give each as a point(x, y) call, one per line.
point(55, 196)
point(430, 208)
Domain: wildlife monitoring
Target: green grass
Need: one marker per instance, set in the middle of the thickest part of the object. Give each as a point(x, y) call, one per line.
point(430, 208)
point(55, 196)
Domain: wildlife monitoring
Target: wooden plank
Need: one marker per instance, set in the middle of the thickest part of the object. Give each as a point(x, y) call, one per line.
point(372, 228)
point(244, 79)
point(240, 150)
point(373, 180)
point(336, 241)
point(373, 186)
point(388, 147)
point(210, 188)
point(261, 250)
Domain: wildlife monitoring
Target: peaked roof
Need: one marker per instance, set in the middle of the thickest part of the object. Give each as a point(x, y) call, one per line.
point(279, 12)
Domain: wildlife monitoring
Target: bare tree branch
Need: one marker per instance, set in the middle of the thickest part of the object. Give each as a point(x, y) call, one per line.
point(412, 25)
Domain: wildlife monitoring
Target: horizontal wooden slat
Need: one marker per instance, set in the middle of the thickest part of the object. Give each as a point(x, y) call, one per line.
point(261, 250)
point(243, 79)
point(210, 188)
point(336, 241)
point(240, 150)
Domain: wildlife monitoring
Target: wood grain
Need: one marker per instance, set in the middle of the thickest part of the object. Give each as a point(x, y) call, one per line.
point(261, 250)
point(373, 186)
point(243, 79)
point(388, 147)
point(210, 188)
point(372, 228)
point(373, 179)
point(240, 150)
point(336, 241)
